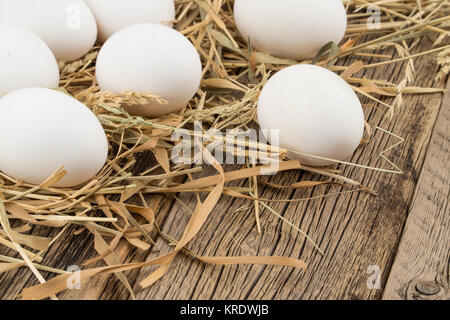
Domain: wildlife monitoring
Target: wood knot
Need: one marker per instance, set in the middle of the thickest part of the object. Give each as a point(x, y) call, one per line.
point(428, 288)
point(425, 290)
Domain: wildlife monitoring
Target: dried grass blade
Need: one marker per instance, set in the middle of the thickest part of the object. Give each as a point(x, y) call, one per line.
point(234, 175)
point(197, 220)
point(111, 259)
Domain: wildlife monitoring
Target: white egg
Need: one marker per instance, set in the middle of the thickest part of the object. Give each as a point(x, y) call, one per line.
point(292, 29)
point(113, 15)
point(67, 26)
point(25, 61)
point(150, 58)
point(42, 130)
point(315, 113)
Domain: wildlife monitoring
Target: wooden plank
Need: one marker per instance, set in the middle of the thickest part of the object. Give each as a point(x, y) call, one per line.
point(357, 231)
point(421, 268)
point(77, 249)
point(108, 287)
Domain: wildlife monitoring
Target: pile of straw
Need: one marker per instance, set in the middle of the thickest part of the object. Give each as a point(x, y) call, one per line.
point(112, 206)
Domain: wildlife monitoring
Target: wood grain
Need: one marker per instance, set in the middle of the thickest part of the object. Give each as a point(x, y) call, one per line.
point(355, 230)
point(76, 249)
point(421, 268)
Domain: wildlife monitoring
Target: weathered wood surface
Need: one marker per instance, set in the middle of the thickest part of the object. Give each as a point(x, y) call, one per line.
point(421, 268)
point(355, 230)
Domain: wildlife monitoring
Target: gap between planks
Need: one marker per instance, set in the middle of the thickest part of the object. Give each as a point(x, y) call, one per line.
point(421, 267)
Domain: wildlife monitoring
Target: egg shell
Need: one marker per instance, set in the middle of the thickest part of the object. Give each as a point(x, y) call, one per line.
point(67, 26)
point(25, 61)
point(42, 130)
point(150, 58)
point(113, 15)
point(315, 112)
point(295, 29)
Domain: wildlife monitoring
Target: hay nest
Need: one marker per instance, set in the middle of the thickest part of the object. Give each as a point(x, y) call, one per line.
point(112, 205)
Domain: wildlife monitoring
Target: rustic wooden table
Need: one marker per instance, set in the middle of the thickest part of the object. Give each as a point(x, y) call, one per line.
point(402, 235)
